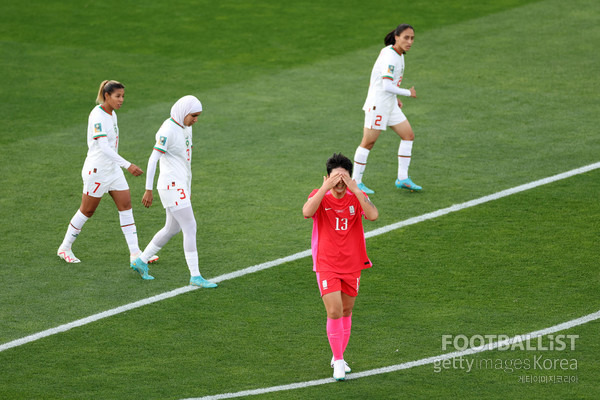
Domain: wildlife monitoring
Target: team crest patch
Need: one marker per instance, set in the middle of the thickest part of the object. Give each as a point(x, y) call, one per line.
point(97, 127)
point(162, 140)
point(351, 210)
point(390, 69)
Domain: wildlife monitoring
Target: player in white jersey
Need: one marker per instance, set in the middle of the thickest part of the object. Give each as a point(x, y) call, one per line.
point(102, 172)
point(383, 108)
point(174, 150)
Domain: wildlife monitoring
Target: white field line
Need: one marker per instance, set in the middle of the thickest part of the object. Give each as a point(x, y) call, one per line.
point(411, 364)
point(293, 257)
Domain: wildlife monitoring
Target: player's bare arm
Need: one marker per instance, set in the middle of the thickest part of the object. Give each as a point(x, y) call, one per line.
point(369, 206)
point(371, 212)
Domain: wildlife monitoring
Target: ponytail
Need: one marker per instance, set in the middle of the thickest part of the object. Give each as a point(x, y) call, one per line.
point(107, 87)
point(390, 38)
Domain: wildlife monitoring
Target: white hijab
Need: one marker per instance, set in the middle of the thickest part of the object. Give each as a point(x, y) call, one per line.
point(184, 106)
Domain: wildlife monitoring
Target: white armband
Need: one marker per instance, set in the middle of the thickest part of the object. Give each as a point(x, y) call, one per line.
point(111, 154)
point(389, 86)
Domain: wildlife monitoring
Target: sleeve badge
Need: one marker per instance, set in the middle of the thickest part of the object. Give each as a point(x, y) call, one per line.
point(97, 127)
point(162, 140)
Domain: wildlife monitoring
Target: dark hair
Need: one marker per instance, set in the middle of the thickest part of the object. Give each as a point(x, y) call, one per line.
point(107, 87)
point(390, 38)
point(339, 161)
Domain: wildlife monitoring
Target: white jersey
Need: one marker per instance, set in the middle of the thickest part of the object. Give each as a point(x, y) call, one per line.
point(175, 142)
point(101, 124)
point(389, 65)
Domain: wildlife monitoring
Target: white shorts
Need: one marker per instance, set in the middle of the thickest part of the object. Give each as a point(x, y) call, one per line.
point(175, 198)
point(95, 184)
point(376, 119)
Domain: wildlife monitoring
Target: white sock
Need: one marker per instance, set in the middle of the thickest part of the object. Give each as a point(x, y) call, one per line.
point(191, 257)
point(149, 251)
point(404, 155)
point(129, 230)
point(73, 230)
point(360, 163)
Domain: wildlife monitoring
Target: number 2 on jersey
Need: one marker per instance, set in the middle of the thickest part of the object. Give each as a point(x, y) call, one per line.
point(378, 120)
point(341, 224)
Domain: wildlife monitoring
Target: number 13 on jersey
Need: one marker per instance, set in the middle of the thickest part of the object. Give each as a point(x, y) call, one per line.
point(341, 224)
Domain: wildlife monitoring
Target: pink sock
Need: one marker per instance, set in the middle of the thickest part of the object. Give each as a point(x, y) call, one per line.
point(347, 323)
point(335, 334)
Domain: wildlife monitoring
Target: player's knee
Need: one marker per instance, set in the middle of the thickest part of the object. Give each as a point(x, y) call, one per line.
point(407, 134)
point(124, 206)
point(88, 212)
point(367, 144)
point(189, 229)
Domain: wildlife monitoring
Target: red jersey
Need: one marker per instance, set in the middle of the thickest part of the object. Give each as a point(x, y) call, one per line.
point(338, 238)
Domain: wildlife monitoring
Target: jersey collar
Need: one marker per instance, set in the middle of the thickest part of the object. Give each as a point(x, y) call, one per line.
point(103, 109)
point(400, 54)
point(182, 127)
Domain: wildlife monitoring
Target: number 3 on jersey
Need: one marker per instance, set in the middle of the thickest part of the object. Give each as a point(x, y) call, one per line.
point(182, 193)
point(341, 224)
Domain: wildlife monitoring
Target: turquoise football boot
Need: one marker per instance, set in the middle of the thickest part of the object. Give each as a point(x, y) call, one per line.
point(141, 268)
point(201, 282)
point(407, 184)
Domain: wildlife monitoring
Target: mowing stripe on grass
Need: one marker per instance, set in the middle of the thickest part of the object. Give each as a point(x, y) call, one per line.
point(293, 257)
point(411, 364)
point(484, 199)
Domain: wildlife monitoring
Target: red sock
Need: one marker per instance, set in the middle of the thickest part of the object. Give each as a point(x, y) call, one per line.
point(347, 323)
point(335, 334)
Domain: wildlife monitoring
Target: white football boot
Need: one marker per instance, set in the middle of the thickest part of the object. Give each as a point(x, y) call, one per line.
point(339, 370)
point(67, 255)
point(346, 368)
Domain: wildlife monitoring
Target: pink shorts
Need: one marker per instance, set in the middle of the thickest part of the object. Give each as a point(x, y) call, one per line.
point(330, 282)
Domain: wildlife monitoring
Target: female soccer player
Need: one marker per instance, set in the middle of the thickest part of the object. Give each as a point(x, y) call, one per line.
point(383, 108)
point(102, 172)
point(338, 250)
point(174, 150)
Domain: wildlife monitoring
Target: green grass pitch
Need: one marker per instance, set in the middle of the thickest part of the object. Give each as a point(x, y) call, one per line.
point(507, 94)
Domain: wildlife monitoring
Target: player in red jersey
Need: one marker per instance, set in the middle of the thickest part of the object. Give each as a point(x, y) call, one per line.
point(338, 250)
